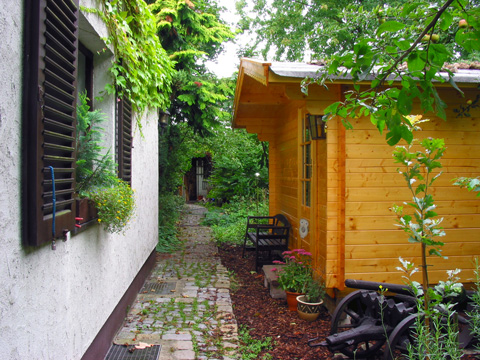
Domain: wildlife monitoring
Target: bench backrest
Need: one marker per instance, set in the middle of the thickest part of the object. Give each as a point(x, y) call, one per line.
point(281, 220)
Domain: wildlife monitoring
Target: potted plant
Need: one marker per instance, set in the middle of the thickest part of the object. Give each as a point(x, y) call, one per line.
point(295, 274)
point(97, 183)
point(309, 305)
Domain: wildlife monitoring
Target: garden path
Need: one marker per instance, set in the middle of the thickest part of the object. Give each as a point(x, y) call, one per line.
point(185, 304)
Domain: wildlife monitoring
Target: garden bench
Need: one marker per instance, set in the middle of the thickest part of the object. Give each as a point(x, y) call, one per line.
point(266, 235)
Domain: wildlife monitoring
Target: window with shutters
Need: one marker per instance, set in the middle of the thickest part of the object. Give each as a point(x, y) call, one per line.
point(49, 111)
point(124, 139)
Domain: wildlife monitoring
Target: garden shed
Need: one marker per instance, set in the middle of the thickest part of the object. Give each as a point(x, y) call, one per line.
point(337, 191)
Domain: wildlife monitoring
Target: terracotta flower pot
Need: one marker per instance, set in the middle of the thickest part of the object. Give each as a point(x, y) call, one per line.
point(308, 311)
point(292, 300)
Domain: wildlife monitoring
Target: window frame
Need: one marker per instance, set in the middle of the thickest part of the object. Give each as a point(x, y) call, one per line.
point(306, 164)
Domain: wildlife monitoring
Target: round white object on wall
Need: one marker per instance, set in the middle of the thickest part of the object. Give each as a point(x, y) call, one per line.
point(303, 229)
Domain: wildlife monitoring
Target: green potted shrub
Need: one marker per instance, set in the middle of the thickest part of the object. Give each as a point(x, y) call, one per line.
point(97, 184)
point(309, 305)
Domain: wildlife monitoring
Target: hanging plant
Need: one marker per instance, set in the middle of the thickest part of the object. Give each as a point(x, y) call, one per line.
point(115, 205)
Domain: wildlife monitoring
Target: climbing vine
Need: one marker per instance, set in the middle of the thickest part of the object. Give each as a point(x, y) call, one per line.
point(142, 71)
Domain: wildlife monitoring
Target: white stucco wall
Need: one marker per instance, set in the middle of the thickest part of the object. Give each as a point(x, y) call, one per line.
point(53, 303)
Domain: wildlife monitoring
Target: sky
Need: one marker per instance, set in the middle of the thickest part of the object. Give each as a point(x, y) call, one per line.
point(227, 62)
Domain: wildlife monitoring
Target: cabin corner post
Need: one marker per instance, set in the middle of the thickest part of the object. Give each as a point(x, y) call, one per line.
point(341, 228)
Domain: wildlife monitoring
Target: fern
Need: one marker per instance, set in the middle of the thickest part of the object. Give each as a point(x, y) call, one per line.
point(94, 168)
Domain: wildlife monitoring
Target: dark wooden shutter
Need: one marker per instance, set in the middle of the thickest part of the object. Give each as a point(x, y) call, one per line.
point(51, 31)
point(125, 140)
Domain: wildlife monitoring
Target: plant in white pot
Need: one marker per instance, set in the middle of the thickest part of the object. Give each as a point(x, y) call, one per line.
point(309, 305)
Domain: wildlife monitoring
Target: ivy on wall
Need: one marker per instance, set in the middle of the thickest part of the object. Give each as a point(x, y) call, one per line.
point(142, 71)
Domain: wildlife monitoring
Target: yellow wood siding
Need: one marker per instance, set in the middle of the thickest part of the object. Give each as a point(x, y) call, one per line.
point(372, 242)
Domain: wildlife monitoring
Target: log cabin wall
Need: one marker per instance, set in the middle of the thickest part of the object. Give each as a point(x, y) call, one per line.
point(373, 244)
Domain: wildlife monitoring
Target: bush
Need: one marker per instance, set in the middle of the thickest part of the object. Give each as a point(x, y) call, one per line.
point(228, 222)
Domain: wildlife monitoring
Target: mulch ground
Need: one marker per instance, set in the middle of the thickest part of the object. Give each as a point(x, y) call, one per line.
point(267, 317)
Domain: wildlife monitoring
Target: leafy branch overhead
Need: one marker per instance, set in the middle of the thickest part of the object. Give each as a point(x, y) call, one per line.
point(414, 62)
point(142, 70)
point(401, 47)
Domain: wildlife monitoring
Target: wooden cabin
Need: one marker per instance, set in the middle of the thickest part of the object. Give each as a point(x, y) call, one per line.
point(337, 192)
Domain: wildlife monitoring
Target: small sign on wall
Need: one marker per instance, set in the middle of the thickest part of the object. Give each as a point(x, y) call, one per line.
point(303, 229)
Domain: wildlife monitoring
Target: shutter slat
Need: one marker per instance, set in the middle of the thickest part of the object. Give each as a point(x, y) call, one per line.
point(67, 7)
point(53, 158)
point(67, 96)
point(60, 49)
point(58, 147)
point(59, 204)
point(55, 124)
point(58, 170)
point(62, 137)
point(56, 115)
point(61, 105)
point(61, 35)
point(57, 181)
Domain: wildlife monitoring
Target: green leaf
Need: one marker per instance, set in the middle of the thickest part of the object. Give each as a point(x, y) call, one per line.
point(454, 85)
point(415, 61)
point(440, 106)
point(468, 39)
point(409, 8)
point(404, 102)
point(403, 44)
point(391, 50)
point(332, 108)
point(446, 20)
point(390, 26)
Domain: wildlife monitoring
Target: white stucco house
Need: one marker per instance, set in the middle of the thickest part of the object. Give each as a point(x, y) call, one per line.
point(65, 303)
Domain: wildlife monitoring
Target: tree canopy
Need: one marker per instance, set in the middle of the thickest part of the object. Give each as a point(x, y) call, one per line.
point(192, 33)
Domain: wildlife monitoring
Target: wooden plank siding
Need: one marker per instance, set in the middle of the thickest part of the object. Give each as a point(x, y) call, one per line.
point(372, 244)
point(356, 182)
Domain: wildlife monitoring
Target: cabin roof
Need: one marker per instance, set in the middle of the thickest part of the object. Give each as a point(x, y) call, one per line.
point(299, 70)
point(266, 72)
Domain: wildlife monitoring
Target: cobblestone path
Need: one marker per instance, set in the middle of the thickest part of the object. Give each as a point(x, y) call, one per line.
point(185, 304)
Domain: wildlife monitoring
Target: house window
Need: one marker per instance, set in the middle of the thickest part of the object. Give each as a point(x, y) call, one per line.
point(124, 139)
point(85, 74)
point(49, 113)
point(306, 172)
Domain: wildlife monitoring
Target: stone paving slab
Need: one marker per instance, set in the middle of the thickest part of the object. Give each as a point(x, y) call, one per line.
point(195, 319)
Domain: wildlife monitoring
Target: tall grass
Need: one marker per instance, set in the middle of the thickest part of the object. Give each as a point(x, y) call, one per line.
point(170, 207)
